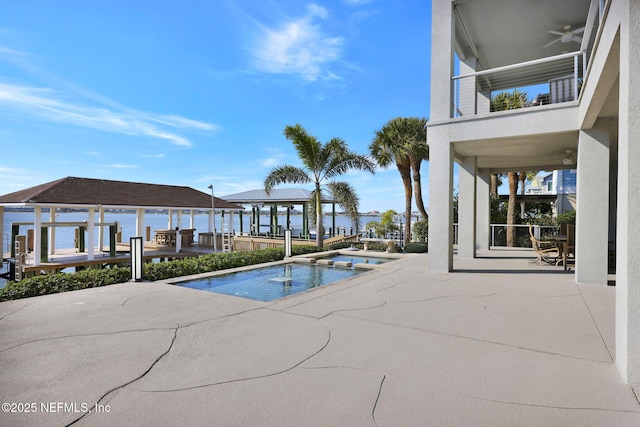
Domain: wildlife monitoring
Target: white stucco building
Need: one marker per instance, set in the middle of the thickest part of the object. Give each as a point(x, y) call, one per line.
point(588, 119)
point(559, 183)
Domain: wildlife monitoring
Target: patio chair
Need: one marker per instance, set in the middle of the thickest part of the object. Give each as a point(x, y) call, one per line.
point(543, 251)
point(571, 245)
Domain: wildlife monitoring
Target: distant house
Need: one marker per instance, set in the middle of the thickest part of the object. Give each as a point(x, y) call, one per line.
point(559, 183)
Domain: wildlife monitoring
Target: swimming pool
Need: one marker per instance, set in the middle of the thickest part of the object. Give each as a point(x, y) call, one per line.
point(271, 283)
point(358, 259)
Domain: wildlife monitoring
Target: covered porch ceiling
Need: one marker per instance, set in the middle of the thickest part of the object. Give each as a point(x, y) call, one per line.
point(500, 33)
point(527, 152)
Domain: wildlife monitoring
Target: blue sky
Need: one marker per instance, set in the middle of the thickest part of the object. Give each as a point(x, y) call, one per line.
point(198, 92)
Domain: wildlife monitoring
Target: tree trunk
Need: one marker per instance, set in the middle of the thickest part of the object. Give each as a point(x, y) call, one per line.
point(493, 190)
point(522, 177)
point(405, 173)
point(319, 221)
point(417, 186)
point(511, 220)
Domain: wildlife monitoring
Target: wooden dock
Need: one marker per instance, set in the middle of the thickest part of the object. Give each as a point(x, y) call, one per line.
point(71, 258)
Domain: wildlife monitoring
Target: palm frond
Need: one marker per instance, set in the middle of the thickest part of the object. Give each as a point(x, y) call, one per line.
point(345, 196)
point(307, 146)
point(285, 174)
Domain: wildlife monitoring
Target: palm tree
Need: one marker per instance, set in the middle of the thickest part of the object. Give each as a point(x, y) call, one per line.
point(496, 181)
point(511, 208)
point(403, 141)
point(523, 177)
point(510, 101)
point(321, 163)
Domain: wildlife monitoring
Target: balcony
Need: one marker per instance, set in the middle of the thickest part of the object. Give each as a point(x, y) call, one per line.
point(550, 71)
point(552, 80)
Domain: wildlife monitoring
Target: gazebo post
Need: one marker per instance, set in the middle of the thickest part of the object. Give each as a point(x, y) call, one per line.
point(257, 220)
point(305, 220)
point(101, 228)
point(178, 232)
point(37, 236)
point(140, 224)
point(333, 214)
point(275, 219)
point(91, 219)
point(288, 217)
point(52, 231)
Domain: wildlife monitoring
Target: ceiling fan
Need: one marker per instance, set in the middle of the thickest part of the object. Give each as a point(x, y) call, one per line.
point(567, 36)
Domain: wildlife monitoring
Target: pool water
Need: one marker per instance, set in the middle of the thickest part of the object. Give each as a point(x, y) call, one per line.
point(271, 283)
point(358, 260)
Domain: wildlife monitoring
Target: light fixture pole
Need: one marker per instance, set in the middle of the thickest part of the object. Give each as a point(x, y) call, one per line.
point(213, 213)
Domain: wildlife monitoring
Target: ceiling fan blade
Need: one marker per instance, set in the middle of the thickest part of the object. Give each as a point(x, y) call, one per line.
point(557, 33)
point(577, 39)
point(549, 44)
point(578, 31)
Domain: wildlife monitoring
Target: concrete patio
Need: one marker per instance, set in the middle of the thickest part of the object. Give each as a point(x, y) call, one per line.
point(498, 342)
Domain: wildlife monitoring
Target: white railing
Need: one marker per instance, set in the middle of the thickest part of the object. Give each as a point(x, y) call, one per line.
point(499, 233)
point(556, 79)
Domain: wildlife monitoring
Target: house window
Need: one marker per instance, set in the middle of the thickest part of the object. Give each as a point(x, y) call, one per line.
point(550, 186)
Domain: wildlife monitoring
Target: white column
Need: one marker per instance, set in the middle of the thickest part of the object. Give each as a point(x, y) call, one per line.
point(170, 221)
point(467, 208)
point(37, 235)
point(91, 229)
point(52, 231)
point(101, 229)
point(483, 210)
point(592, 212)
point(627, 241)
point(192, 218)
point(178, 231)
point(140, 226)
point(441, 60)
point(440, 201)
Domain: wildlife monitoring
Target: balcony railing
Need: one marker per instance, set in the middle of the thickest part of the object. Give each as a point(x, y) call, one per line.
point(549, 80)
point(556, 79)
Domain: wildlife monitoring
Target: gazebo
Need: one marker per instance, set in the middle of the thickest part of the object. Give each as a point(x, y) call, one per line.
point(97, 196)
point(283, 197)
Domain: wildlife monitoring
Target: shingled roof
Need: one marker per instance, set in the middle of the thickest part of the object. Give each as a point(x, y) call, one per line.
point(72, 191)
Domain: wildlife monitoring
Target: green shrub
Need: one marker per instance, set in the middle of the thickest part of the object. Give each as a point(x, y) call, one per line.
point(420, 230)
point(568, 217)
point(378, 247)
point(343, 245)
point(304, 249)
point(62, 282)
point(416, 247)
point(91, 278)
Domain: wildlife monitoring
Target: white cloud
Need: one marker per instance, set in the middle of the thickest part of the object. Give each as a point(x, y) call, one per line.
point(298, 46)
point(54, 106)
point(271, 162)
point(315, 10)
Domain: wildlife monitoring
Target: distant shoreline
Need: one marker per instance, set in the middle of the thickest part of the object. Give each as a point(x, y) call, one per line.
point(165, 211)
